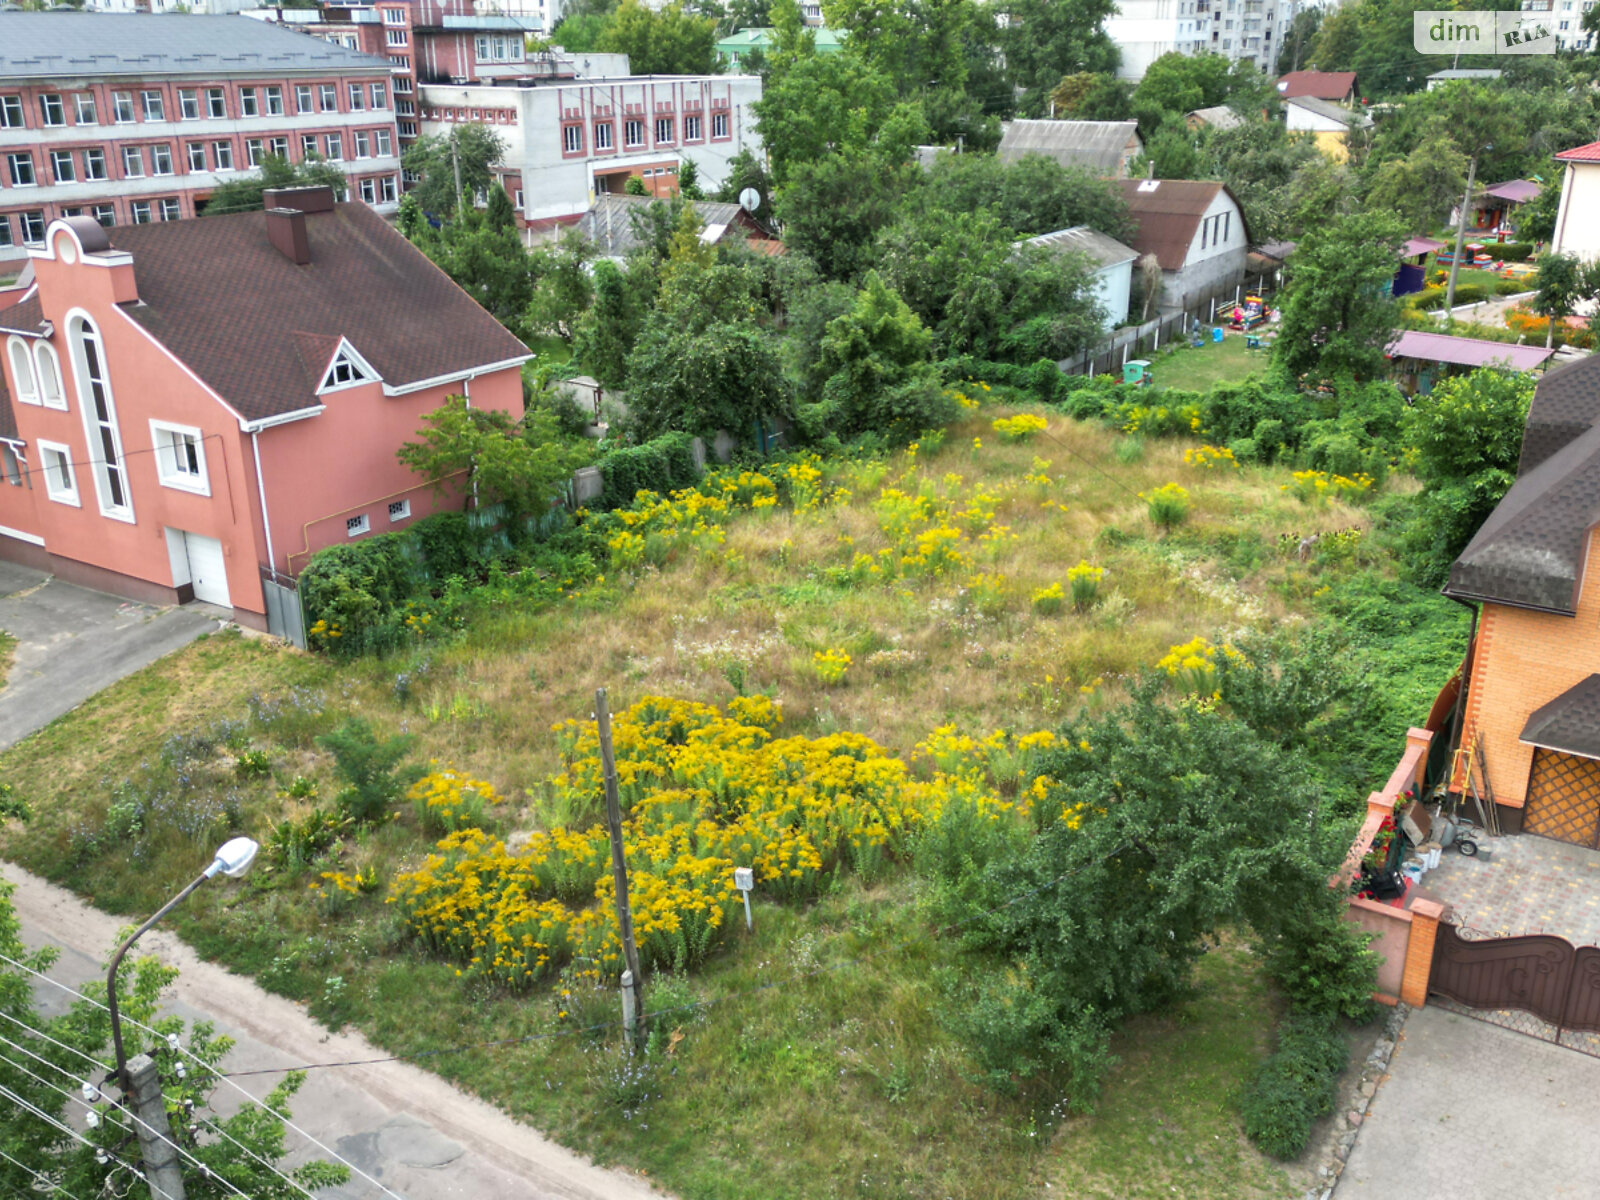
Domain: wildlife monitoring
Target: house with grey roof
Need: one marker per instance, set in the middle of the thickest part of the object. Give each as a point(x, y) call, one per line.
point(135, 119)
point(614, 225)
point(1109, 262)
point(1104, 148)
point(1218, 116)
point(1532, 575)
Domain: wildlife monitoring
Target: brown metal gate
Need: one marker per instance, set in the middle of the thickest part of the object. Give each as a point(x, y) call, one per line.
point(1540, 974)
point(1564, 798)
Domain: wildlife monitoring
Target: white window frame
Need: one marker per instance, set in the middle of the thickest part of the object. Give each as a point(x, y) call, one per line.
point(399, 510)
point(249, 103)
point(161, 159)
point(195, 154)
point(693, 130)
point(603, 135)
point(379, 97)
point(188, 104)
point(274, 100)
point(94, 164)
point(12, 463)
point(358, 97)
point(47, 374)
point(369, 191)
point(33, 226)
point(164, 437)
point(143, 214)
point(327, 97)
point(85, 109)
point(389, 190)
point(12, 114)
point(384, 146)
point(108, 466)
point(61, 493)
point(133, 162)
point(106, 214)
point(218, 151)
point(52, 105)
point(719, 125)
point(171, 208)
point(671, 127)
point(14, 160)
point(357, 526)
point(23, 373)
point(572, 139)
point(122, 109)
point(628, 127)
point(303, 98)
point(346, 369)
point(216, 103)
point(57, 158)
point(153, 104)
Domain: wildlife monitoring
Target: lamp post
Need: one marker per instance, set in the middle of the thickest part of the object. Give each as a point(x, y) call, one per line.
point(233, 860)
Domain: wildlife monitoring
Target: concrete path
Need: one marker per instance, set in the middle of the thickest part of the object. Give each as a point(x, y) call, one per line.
point(410, 1131)
point(72, 642)
point(1470, 1111)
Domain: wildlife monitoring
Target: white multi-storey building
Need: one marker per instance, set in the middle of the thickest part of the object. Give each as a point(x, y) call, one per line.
point(1566, 20)
point(570, 141)
point(1144, 30)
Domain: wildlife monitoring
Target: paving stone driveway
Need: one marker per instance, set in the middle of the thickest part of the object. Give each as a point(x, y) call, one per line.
point(71, 642)
point(1530, 885)
point(1470, 1111)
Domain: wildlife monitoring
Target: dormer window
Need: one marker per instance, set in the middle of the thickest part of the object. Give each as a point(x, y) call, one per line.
point(346, 370)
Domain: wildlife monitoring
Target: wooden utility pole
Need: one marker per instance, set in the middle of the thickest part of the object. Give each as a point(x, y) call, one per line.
point(632, 978)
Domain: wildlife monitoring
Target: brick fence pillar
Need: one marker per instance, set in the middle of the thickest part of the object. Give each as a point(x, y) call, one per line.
point(1425, 916)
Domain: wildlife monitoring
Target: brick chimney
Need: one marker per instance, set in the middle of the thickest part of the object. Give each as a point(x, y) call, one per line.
point(316, 198)
point(286, 230)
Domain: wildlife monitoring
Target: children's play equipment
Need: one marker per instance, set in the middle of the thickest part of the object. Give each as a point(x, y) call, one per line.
point(1252, 312)
point(1137, 372)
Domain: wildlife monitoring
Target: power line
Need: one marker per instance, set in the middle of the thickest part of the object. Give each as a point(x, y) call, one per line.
point(205, 1170)
point(38, 1176)
point(210, 1125)
point(181, 1049)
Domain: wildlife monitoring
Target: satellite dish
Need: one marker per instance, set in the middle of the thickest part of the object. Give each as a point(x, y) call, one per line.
point(750, 199)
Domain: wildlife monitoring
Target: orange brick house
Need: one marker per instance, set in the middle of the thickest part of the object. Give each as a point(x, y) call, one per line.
point(1533, 685)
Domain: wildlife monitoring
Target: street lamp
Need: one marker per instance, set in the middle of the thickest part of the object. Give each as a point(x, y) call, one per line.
point(233, 860)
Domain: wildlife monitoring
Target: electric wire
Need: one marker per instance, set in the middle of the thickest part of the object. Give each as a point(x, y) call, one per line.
point(61, 1127)
point(210, 1125)
point(288, 1124)
point(38, 1176)
point(150, 1129)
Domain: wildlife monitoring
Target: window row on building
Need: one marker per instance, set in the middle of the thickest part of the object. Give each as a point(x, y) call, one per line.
point(92, 164)
point(665, 129)
point(170, 103)
point(28, 226)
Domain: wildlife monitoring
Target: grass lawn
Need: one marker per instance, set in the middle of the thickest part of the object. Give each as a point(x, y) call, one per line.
point(1196, 369)
point(821, 1065)
point(8, 655)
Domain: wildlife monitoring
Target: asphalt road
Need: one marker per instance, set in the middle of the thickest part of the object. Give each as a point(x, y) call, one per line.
point(71, 642)
point(413, 1134)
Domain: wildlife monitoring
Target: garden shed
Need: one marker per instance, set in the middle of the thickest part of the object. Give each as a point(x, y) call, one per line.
point(1422, 358)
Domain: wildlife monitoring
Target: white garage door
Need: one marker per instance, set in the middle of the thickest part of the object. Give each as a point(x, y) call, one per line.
point(207, 569)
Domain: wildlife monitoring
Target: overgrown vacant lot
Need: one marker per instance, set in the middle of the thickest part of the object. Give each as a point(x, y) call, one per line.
point(810, 1058)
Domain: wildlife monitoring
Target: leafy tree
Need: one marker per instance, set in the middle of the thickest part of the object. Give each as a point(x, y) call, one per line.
point(435, 158)
point(1536, 220)
point(498, 214)
point(833, 208)
point(816, 105)
point(917, 45)
point(1337, 317)
point(725, 376)
point(1561, 287)
point(1464, 439)
point(1179, 83)
point(1421, 187)
point(809, 318)
point(607, 332)
point(875, 360)
point(245, 195)
point(562, 289)
point(671, 41)
point(983, 295)
point(51, 1058)
point(1297, 40)
point(490, 264)
point(1031, 196)
point(1046, 39)
point(1167, 824)
point(689, 180)
point(1261, 162)
point(634, 186)
point(487, 456)
point(1374, 38)
point(1171, 150)
point(1482, 121)
point(581, 32)
point(371, 769)
point(746, 170)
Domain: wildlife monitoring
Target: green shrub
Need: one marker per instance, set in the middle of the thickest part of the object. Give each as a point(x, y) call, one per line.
point(1509, 251)
point(351, 593)
point(450, 544)
point(1512, 287)
point(252, 764)
point(294, 845)
point(370, 769)
point(1294, 1086)
point(664, 464)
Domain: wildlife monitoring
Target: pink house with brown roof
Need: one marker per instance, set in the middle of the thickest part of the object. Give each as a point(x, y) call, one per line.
point(190, 408)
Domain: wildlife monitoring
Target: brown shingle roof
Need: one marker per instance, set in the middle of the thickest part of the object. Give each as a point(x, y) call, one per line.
point(25, 317)
point(1565, 404)
point(248, 321)
point(1570, 722)
point(1168, 215)
point(1323, 85)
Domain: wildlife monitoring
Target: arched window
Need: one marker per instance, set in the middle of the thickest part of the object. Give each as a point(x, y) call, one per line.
point(22, 372)
point(49, 373)
point(100, 419)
